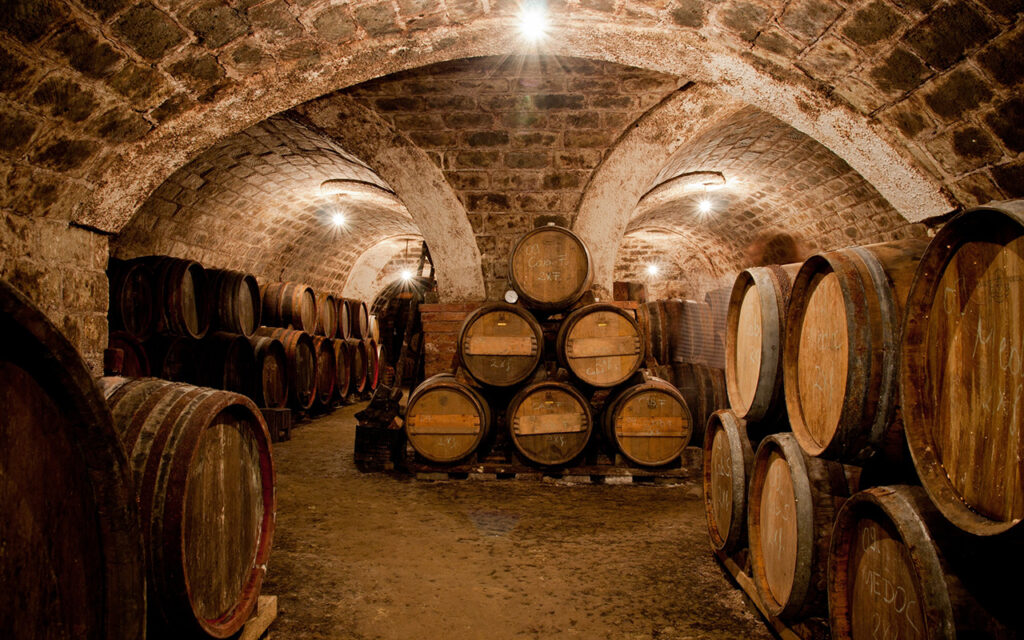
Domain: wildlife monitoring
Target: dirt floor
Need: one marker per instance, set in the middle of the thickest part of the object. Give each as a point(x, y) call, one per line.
point(374, 556)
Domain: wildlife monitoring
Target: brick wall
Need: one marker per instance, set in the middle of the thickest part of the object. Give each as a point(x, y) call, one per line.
point(441, 324)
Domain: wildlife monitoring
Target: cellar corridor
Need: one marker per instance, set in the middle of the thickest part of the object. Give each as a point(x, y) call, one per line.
point(371, 556)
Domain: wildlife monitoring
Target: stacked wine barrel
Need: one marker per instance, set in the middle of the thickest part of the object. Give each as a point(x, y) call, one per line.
point(869, 471)
point(280, 344)
point(565, 374)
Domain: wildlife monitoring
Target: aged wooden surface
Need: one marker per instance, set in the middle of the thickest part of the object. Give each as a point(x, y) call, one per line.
point(343, 368)
point(446, 420)
point(344, 319)
point(227, 361)
point(235, 300)
point(271, 371)
point(301, 352)
point(549, 422)
point(326, 315)
point(500, 344)
point(728, 459)
point(289, 304)
point(358, 318)
point(182, 292)
point(135, 362)
point(601, 344)
point(133, 305)
point(704, 391)
point(360, 364)
point(550, 268)
point(326, 371)
point(649, 423)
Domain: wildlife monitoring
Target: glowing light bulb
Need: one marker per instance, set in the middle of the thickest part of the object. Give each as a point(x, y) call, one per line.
point(652, 269)
point(533, 23)
point(704, 206)
point(338, 219)
point(406, 274)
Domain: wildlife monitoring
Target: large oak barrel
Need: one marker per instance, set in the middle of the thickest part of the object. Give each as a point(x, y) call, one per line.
point(898, 569)
point(372, 364)
point(173, 358)
point(500, 344)
point(755, 332)
point(841, 357)
point(135, 363)
point(132, 299)
point(326, 315)
point(728, 459)
point(704, 390)
point(227, 361)
point(182, 296)
point(71, 562)
point(550, 268)
point(791, 505)
point(298, 346)
point(373, 328)
point(962, 381)
point(601, 344)
point(342, 368)
point(326, 371)
point(235, 297)
point(360, 364)
point(205, 483)
point(549, 422)
point(654, 320)
point(358, 318)
point(649, 423)
point(344, 319)
point(288, 304)
point(271, 372)
point(446, 420)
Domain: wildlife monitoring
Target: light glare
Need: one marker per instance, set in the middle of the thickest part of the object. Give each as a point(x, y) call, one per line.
point(704, 206)
point(533, 23)
point(338, 219)
point(652, 269)
point(406, 274)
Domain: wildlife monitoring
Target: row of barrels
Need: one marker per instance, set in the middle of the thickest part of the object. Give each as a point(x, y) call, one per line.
point(274, 367)
point(550, 422)
point(173, 296)
point(909, 346)
point(117, 496)
point(876, 561)
point(688, 331)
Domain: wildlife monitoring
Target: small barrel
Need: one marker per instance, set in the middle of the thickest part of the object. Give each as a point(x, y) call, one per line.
point(549, 422)
point(359, 365)
point(71, 562)
point(446, 420)
point(342, 368)
point(550, 268)
point(601, 344)
point(288, 304)
point(298, 346)
point(205, 484)
point(271, 372)
point(227, 361)
point(182, 296)
point(704, 390)
point(344, 320)
point(326, 371)
point(840, 357)
point(792, 502)
point(359, 319)
point(235, 298)
point(135, 363)
point(649, 423)
point(173, 358)
point(728, 459)
point(755, 331)
point(133, 303)
point(500, 344)
point(326, 315)
point(962, 376)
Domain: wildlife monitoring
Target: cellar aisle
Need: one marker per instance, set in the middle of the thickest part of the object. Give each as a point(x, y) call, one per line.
point(372, 556)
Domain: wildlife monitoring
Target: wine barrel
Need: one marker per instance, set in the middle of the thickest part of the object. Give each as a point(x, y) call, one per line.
point(656, 323)
point(182, 295)
point(791, 503)
point(173, 358)
point(500, 344)
point(373, 328)
point(298, 346)
point(385, 370)
point(704, 391)
point(649, 423)
point(359, 365)
point(205, 484)
point(326, 371)
point(359, 319)
point(601, 344)
point(135, 363)
point(344, 320)
point(132, 299)
point(326, 315)
point(754, 337)
point(288, 304)
point(962, 377)
point(840, 356)
point(72, 563)
point(550, 268)
point(446, 420)
point(235, 297)
point(227, 361)
point(728, 458)
point(690, 332)
point(549, 422)
point(343, 369)
point(372, 365)
point(271, 372)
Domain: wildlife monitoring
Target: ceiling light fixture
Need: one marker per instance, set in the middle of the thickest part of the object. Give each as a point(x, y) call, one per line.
point(533, 22)
point(406, 275)
point(338, 219)
point(704, 206)
point(652, 269)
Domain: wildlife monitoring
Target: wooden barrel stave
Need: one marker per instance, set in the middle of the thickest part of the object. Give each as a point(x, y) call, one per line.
point(446, 420)
point(289, 304)
point(601, 344)
point(372, 364)
point(272, 372)
point(359, 365)
point(648, 423)
point(550, 268)
point(344, 319)
point(343, 368)
point(500, 344)
point(227, 361)
point(327, 315)
point(549, 422)
point(728, 460)
point(326, 371)
point(135, 363)
point(235, 301)
point(133, 303)
point(298, 346)
point(182, 294)
point(359, 319)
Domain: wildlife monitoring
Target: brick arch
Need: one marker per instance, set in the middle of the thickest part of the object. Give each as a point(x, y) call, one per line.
point(370, 273)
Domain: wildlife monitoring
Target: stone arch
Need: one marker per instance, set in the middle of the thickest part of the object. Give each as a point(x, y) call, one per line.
point(362, 279)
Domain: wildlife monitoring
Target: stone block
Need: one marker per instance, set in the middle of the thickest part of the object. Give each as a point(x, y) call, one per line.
point(947, 33)
point(1007, 122)
point(64, 154)
point(901, 71)
point(86, 53)
point(14, 74)
point(275, 18)
point(377, 19)
point(486, 139)
point(105, 8)
point(216, 24)
point(1010, 178)
point(688, 13)
point(18, 129)
point(1002, 58)
point(477, 159)
point(527, 159)
point(151, 32)
point(30, 20)
point(468, 120)
point(558, 101)
point(976, 188)
point(335, 25)
point(777, 41)
point(828, 58)
point(873, 23)
point(121, 125)
point(563, 180)
point(434, 139)
point(487, 202)
point(956, 94)
point(745, 19)
point(588, 138)
point(138, 83)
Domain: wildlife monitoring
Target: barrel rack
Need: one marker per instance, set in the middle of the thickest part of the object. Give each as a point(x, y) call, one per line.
point(263, 617)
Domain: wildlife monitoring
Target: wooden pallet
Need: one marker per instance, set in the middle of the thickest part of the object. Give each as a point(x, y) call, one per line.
point(813, 630)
